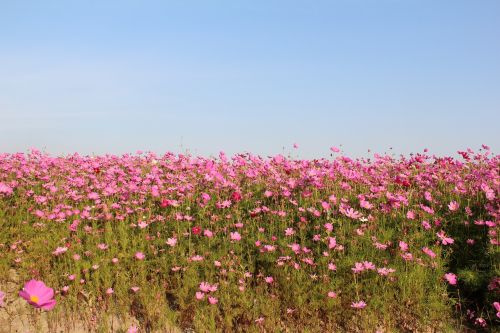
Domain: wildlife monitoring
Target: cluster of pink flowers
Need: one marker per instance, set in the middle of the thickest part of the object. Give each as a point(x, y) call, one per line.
point(320, 219)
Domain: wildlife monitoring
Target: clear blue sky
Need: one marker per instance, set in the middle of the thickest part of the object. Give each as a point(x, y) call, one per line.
point(117, 76)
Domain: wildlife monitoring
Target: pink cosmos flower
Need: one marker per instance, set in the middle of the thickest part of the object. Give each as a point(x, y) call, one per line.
point(102, 246)
point(135, 289)
point(451, 278)
point(334, 149)
point(235, 236)
point(453, 206)
point(358, 267)
point(332, 294)
point(109, 291)
point(429, 252)
point(426, 225)
point(5, 189)
point(140, 256)
point(269, 279)
point(332, 242)
point(212, 300)
point(289, 231)
point(444, 239)
point(2, 298)
point(403, 246)
point(59, 251)
point(133, 329)
point(199, 295)
point(496, 305)
point(196, 257)
point(358, 305)
point(38, 295)
point(208, 233)
point(171, 241)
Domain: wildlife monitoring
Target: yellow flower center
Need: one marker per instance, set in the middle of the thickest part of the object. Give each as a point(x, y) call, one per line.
point(34, 299)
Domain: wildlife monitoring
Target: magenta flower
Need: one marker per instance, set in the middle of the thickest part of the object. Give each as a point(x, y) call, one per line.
point(451, 278)
point(38, 294)
point(2, 297)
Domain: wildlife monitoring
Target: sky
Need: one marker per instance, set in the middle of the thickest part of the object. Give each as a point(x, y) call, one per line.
point(396, 76)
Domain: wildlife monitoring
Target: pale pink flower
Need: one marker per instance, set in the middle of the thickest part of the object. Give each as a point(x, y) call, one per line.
point(212, 300)
point(109, 291)
point(332, 294)
point(269, 279)
point(171, 241)
point(235, 236)
point(133, 329)
point(59, 251)
point(289, 231)
point(358, 305)
point(453, 206)
point(140, 256)
point(199, 295)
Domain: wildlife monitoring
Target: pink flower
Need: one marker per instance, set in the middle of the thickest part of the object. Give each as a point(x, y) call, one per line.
point(135, 289)
point(140, 256)
point(334, 149)
point(133, 329)
point(2, 298)
point(114, 260)
point(358, 305)
point(235, 236)
point(403, 246)
point(109, 291)
point(208, 233)
point(496, 305)
point(5, 189)
point(332, 294)
point(444, 239)
point(171, 241)
point(453, 206)
point(269, 279)
point(199, 295)
point(429, 252)
point(38, 295)
point(102, 246)
point(332, 242)
point(59, 251)
point(358, 267)
point(289, 231)
point(451, 278)
point(212, 300)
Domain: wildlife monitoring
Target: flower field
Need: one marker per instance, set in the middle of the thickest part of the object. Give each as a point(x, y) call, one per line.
point(246, 243)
